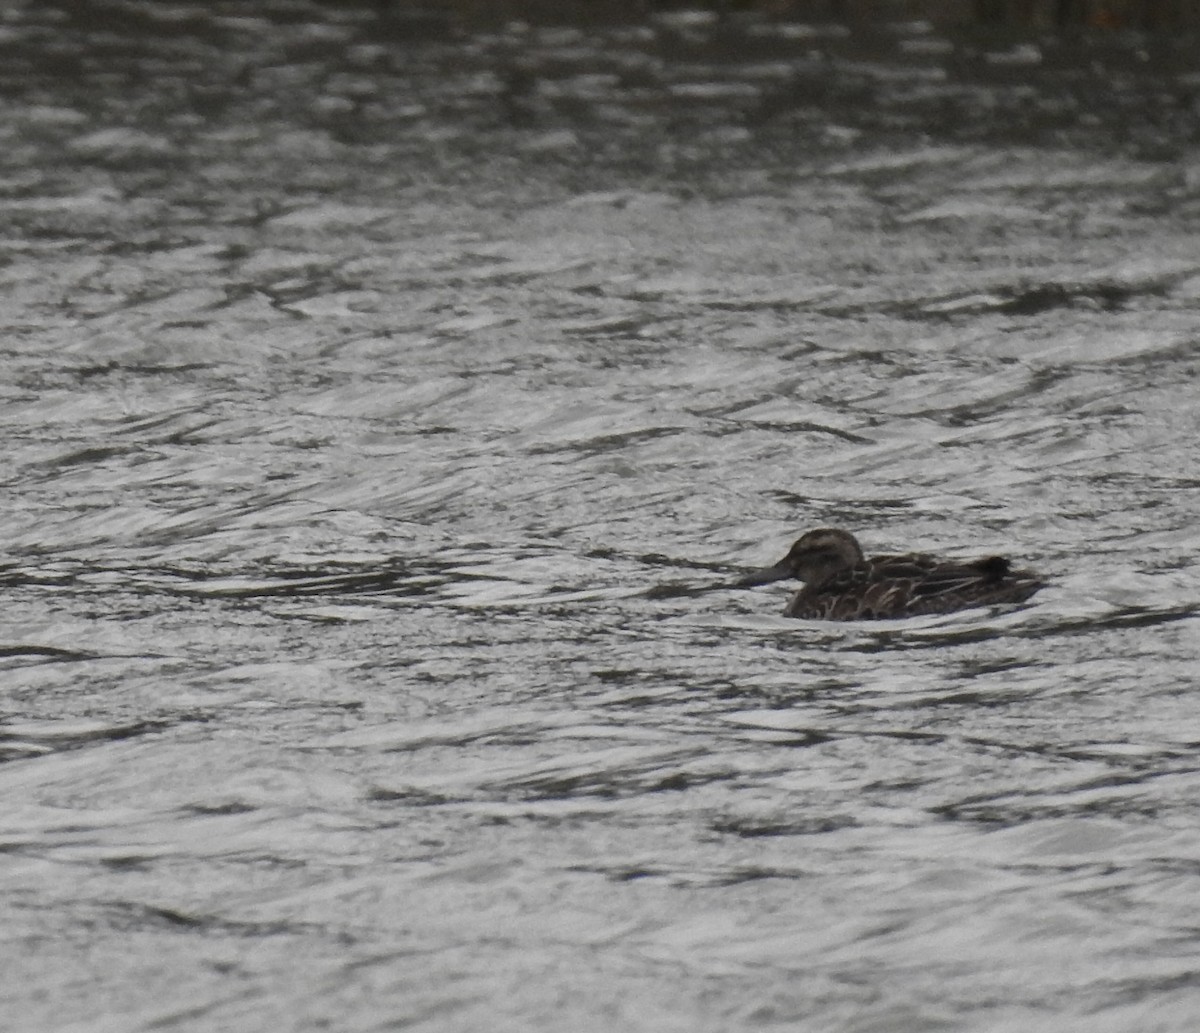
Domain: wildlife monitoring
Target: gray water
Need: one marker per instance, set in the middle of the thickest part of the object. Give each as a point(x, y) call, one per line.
point(384, 409)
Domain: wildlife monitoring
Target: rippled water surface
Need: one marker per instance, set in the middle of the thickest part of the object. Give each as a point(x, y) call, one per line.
point(385, 408)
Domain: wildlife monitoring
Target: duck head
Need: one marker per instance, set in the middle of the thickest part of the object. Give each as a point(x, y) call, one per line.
point(814, 557)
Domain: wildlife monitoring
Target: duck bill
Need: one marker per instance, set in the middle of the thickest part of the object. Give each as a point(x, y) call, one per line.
point(780, 572)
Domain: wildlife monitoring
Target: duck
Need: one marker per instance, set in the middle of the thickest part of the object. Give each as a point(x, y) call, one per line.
point(842, 584)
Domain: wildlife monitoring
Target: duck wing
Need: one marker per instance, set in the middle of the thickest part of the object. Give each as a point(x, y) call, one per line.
point(912, 585)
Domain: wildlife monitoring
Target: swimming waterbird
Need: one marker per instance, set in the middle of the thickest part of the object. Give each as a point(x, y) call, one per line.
point(841, 584)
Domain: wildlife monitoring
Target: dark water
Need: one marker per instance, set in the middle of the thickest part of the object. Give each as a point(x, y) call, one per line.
point(378, 404)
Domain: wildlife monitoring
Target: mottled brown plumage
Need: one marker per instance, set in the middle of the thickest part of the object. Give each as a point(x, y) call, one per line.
point(841, 584)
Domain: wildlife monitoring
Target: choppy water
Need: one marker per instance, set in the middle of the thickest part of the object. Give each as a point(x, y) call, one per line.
point(376, 414)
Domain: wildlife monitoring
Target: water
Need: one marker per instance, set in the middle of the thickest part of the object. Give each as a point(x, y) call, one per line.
point(381, 419)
